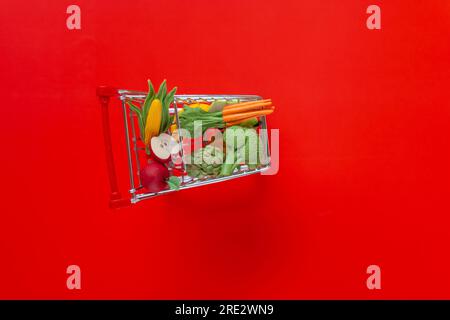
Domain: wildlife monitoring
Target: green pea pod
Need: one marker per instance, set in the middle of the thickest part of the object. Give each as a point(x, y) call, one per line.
point(138, 113)
point(162, 90)
point(168, 99)
point(147, 102)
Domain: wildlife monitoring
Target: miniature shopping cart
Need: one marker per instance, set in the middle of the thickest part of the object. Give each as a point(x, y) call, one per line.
point(135, 152)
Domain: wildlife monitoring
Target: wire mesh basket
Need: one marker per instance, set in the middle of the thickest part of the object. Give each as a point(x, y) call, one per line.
point(135, 149)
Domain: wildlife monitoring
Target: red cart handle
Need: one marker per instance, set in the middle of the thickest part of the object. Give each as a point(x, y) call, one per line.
point(116, 199)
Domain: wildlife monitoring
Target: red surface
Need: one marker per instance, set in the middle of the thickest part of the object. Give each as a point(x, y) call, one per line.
point(364, 170)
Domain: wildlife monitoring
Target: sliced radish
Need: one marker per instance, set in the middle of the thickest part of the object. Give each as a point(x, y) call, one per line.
point(163, 147)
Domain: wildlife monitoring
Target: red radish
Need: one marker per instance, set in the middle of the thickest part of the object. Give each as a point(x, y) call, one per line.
point(163, 147)
point(154, 176)
point(178, 172)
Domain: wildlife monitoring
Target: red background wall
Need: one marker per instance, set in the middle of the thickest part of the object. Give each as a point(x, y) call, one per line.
point(364, 175)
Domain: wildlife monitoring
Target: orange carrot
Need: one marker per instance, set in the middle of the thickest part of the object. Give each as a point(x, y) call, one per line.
point(233, 123)
point(230, 106)
point(251, 114)
point(252, 107)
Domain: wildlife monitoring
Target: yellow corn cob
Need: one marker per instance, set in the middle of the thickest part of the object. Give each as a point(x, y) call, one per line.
point(153, 121)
